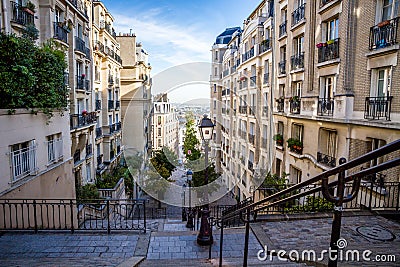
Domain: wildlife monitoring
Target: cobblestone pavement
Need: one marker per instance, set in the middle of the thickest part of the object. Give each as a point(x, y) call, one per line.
point(375, 233)
point(23, 249)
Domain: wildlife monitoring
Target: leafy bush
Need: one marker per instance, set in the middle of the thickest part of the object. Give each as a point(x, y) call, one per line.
point(87, 192)
point(312, 204)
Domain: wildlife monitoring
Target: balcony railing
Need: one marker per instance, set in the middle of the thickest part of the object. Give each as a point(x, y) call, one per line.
point(383, 34)
point(264, 46)
point(23, 162)
point(89, 150)
point(266, 78)
point(295, 106)
point(325, 106)
point(78, 120)
point(282, 28)
point(252, 110)
point(297, 61)
point(111, 128)
point(326, 160)
point(80, 45)
point(82, 83)
point(280, 104)
point(60, 33)
point(98, 104)
point(248, 54)
point(110, 105)
point(298, 14)
point(282, 67)
point(328, 51)
point(378, 107)
point(243, 109)
point(117, 104)
point(98, 46)
point(20, 16)
point(99, 132)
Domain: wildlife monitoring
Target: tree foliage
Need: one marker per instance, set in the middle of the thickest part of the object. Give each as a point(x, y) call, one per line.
point(164, 162)
point(191, 142)
point(31, 77)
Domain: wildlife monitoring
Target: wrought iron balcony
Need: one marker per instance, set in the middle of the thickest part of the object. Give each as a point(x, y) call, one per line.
point(298, 14)
point(110, 105)
point(248, 54)
point(328, 51)
point(20, 15)
point(297, 61)
point(79, 120)
point(295, 105)
point(243, 109)
point(264, 46)
point(98, 104)
point(378, 107)
point(383, 34)
point(282, 67)
point(99, 132)
point(326, 160)
point(283, 28)
point(117, 104)
point(60, 33)
point(89, 150)
point(80, 45)
point(82, 83)
point(325, 106)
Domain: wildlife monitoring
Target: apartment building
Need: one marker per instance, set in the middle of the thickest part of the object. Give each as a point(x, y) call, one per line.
point(107, 65)
point(315, 81)
point(165, 124)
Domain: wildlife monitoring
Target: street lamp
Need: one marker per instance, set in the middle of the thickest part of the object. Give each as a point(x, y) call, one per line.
point(206, 131)
point(189, 224)
point(184, 215)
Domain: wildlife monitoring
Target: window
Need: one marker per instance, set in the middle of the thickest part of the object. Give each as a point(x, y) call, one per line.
point(216, 55)
point(327, 87)
point(378, 177)
point(23, 159)
point(389, 9)
point(283, 53)
point(110, 120)
point(298, 44)
point(327, 145)
point(278, 164)
point(297, 131)
point(159, 131)
point(89, 178)
point(280, 128)
point(54, 148)
point(57, 15)
point(332, 29)
point(296, 89)
point(380, 84)
point(295, 175)
point(159, 143)
point(159, 120)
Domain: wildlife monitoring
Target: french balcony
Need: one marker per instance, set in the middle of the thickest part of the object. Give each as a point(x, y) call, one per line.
point(297, 61)
point(283, 28)
point(98, 104)
point(326, 160)
point(79, 120)
point(383, 34)
point(80, 45)
point(20, 16)
point(89, 150)
point(82, 83)
point(294, 105)
point(117, 104)
point(251, 138)
point(110, 105)
point(99, 132)
point(282, 67)
point(280, 104)
point(378, 107)
point(60, 33)
point(328, 51)
point(264, 46)
point(298, 14)
point(248, 54)
point(325, 106)
point(243, 109)
point(266, 78)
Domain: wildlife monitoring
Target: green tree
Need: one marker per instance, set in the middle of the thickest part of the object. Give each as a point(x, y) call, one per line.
point(191, 143)
point(164, 162)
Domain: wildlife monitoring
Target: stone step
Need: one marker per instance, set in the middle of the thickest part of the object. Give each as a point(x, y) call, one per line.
point(175, 263)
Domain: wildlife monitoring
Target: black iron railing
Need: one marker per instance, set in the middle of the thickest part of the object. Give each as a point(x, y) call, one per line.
point(325, 106)
point(60, 33)
point(73, 215)
point(99, 132)
point(283, 28)
point(118, 126)
point(80, 45)
point(98, 104)
point(295, 106)
point(110, 104)
point(248, 54)
point(328, 51)
point(378, 107)
point(243, 109)
point(326, 159)
point(298, 14)
point(318, 194)
point(282, 67)
point(20, 15)
point(82, 120)
point(264, 46)
point(383, 34)
point(297, 61)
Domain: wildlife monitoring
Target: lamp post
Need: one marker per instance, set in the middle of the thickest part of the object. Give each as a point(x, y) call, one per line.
point(205, 237)
point(189, 224)
point(184, 215)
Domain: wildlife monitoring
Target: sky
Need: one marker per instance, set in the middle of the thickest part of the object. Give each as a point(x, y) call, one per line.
point(176, 32)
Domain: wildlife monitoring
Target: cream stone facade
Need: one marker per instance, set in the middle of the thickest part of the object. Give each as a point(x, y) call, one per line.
point(320, 74)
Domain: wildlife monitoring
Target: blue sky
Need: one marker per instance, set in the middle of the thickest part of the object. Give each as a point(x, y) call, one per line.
point(178, 31)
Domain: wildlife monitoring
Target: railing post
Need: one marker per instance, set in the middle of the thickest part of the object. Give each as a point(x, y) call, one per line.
point(221, 241)
point(144, 215)
point(34, 216)
point(71, 207)
point(398, 196)
point(108, 217)
point(370, 193)
point(246, 238)
point(337, 218)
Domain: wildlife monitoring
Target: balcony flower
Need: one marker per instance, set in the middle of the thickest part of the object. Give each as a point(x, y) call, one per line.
point(319, 45)
point(383, 23)
point(278, 139)
point(330, 42)
point(295, 145)
point(84, 112)
point(294, 99)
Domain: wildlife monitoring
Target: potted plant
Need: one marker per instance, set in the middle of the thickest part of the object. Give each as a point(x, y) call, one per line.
point(294, 99)
point(280, 99)
point(295, 145)
point(383, 23)
point(279, 139)
point(83, 76)
point(84, 112)
point(30, 7)
point(319, 45)
point(330, 42)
